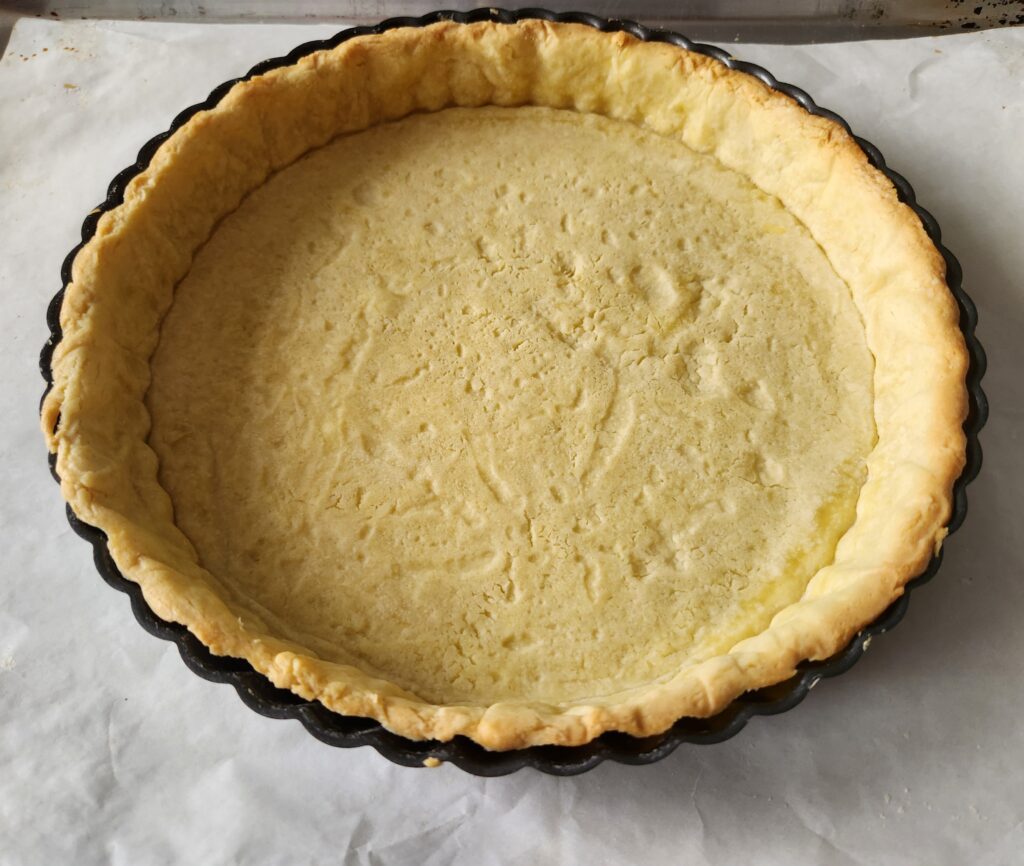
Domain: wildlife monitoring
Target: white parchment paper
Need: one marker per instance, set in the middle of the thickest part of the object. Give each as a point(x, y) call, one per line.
point(111, 751)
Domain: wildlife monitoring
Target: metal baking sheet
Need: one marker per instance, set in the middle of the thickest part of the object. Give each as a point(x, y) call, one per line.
point(777, 21)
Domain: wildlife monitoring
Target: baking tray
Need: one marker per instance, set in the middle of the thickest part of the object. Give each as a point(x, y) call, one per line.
point(718, 21)
point(258, 693)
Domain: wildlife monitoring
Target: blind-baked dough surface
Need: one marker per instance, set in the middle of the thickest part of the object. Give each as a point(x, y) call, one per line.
point(508, 404)
point(123, 283)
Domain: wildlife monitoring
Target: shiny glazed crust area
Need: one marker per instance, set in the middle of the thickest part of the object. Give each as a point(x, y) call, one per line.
point(123, 284)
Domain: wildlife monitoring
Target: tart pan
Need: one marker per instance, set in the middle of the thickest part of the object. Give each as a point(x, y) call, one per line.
point(257, 692)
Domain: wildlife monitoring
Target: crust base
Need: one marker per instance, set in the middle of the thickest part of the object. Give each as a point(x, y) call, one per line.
point(123, 283)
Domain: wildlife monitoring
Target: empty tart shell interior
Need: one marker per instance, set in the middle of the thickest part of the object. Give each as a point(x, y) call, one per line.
point(522, 382)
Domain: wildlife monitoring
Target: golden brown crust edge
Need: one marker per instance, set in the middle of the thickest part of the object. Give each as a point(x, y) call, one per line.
point(123, 280)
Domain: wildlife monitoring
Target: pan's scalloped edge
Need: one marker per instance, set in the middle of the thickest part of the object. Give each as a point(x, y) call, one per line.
point(258, 693)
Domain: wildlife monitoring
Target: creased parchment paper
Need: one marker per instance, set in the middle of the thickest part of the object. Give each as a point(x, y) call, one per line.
point(111, 751)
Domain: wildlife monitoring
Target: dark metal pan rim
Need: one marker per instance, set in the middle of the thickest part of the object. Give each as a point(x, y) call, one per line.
point(257, 692)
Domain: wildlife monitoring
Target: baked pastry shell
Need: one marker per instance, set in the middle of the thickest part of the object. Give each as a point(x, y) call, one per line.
point(261, 695)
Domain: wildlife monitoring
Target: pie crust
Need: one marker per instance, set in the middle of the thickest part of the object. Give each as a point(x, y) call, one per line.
point(888, 446)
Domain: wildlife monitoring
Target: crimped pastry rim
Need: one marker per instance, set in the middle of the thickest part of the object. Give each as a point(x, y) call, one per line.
point(509, 727)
